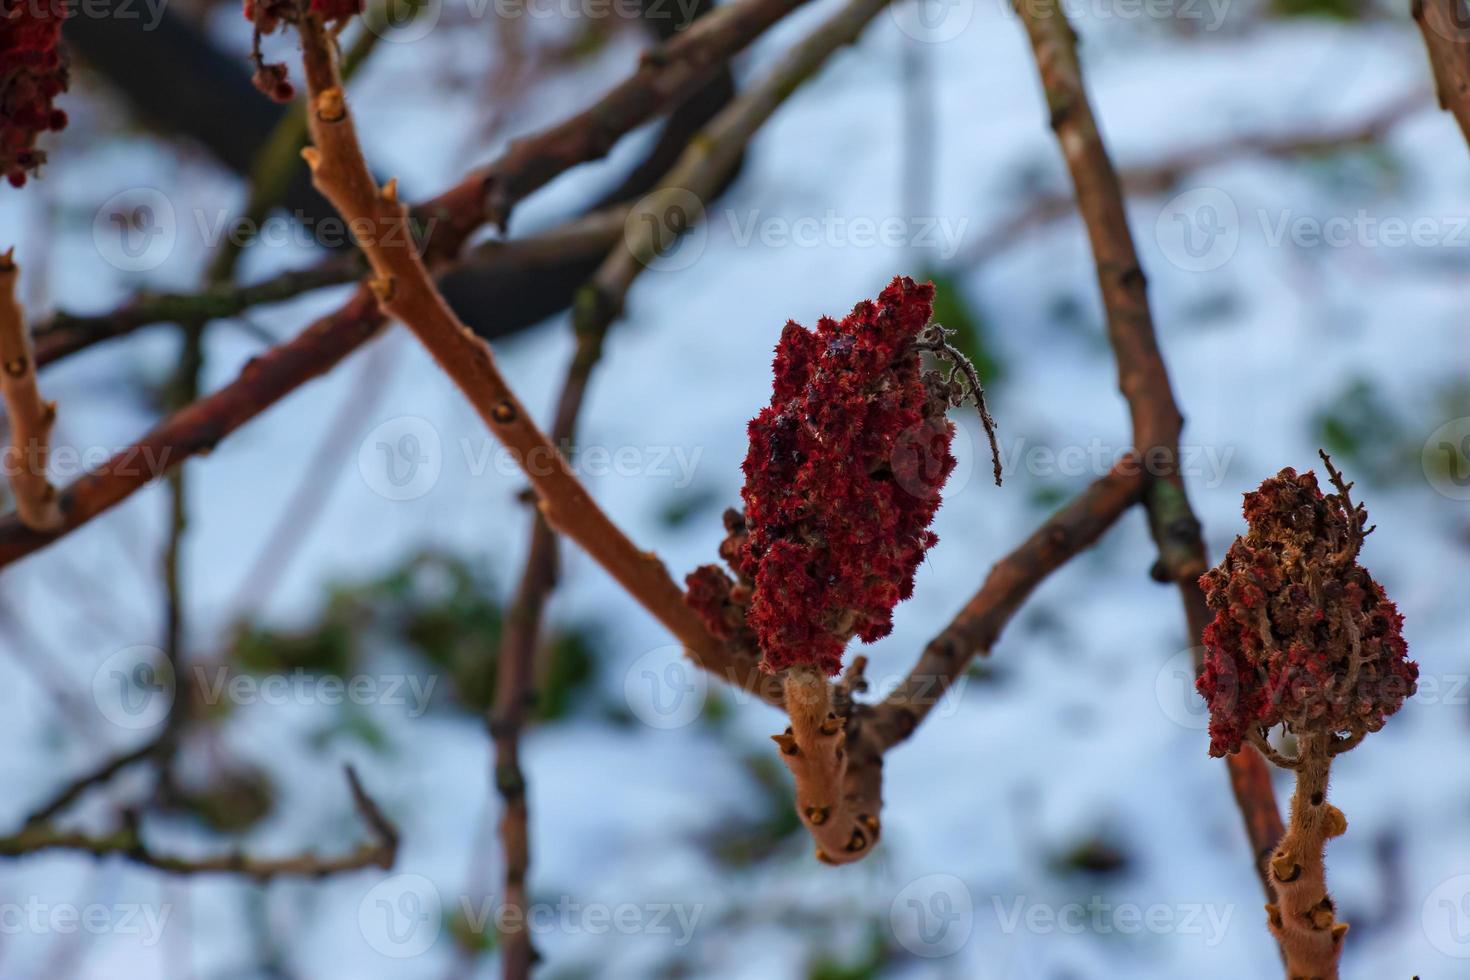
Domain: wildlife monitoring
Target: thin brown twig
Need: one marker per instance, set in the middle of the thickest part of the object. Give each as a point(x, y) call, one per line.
point(67, 333)
point(872, 730)
point(102, 773)
point(666, 75)
point(1163, 176)
point(380, 850)
point(1068, 532)
point(31, 417)
point(1142, 374)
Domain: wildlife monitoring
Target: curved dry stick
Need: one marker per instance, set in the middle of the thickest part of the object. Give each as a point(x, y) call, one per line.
point(380, 851)
point(30, 416)
point(1142, 375)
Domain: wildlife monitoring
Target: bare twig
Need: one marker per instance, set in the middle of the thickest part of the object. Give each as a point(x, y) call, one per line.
point(935, 340)
point(66, 333)
point(379, 851)
point(1142, 375)
point(1158, 178)
point(104, 772)
point(30, 417)
point(1068, 532)
point(871, 731)
point(666, 75)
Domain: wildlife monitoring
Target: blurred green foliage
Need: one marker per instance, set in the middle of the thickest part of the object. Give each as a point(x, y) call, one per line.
point(875, 954)
point(439, 609)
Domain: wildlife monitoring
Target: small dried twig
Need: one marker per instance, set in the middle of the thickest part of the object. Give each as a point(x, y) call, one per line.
point(102, 773)
point(380, 851)
point(31, 417)
point(935, 340)
point(1165, 175)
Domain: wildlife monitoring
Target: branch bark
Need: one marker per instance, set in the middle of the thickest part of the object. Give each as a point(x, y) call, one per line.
point(1446, 29)
point(30, 416)
point(1303, 917)
point(1142, 375)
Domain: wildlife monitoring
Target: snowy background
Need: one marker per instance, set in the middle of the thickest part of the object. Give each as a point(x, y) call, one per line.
point(1058, 816)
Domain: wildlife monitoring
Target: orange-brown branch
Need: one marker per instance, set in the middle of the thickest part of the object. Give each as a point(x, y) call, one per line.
point(31, 417)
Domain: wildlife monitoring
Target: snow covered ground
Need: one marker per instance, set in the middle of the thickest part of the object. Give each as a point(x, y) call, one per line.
point(1276, 284)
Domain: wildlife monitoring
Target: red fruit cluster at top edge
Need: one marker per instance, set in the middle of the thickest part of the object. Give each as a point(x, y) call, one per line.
point(32, 74)
point(1302, 633)
point(841, 483)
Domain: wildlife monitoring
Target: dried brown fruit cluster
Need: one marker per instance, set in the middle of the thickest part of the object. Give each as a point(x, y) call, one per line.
point(1302, 634)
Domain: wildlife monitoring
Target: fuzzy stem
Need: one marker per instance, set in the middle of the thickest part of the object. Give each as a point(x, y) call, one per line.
point(31, 417)
point(814, 748)
point(1302, 919)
